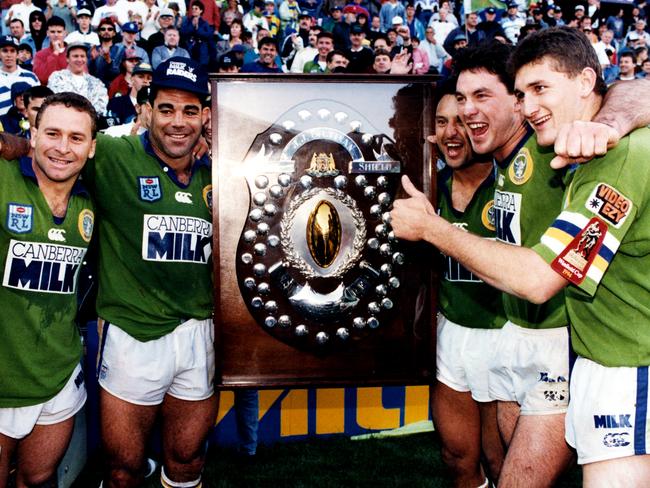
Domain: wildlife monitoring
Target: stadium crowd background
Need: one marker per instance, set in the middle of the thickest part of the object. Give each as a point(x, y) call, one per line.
point(107, 50)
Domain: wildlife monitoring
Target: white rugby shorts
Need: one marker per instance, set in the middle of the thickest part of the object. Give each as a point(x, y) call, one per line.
point(463, 356)
point(19, 422)
point(180, 363)
point(531, 367)
point(608, 412)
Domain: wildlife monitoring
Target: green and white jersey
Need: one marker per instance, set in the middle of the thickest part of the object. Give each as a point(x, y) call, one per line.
point(40, 344)
point(528, 196)
point(155, 238)
point(600, 242)
point(464, 298)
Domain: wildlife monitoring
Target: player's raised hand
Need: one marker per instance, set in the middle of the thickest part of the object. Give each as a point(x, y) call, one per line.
point(410, 215)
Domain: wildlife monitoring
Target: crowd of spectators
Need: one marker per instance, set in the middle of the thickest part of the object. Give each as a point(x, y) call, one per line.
point(106, 49)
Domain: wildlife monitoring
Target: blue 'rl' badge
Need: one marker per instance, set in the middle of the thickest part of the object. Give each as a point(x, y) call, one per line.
point(150, 190)
point(20, 218)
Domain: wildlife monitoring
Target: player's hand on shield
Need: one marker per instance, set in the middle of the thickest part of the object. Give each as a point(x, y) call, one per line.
point(409, 215)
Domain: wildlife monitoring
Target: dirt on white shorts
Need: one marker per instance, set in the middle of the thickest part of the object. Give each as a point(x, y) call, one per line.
point(531, 367)
point(19, 422)
point(180, 363)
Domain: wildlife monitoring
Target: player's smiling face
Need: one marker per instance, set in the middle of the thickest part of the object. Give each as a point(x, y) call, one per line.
point(176, 122)
point(62, 143)
point(489, 112)
point(549, 98)
point(451, 136)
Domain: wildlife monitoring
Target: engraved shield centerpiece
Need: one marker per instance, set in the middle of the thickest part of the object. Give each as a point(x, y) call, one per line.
point(317, 263)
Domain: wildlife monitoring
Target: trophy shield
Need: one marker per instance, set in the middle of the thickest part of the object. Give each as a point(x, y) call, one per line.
point(307, 259)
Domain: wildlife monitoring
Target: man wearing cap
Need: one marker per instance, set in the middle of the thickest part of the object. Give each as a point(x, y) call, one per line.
point(165, 19)
point(84, 33)
point(129, 33)
point(154, 299)
point(15, 120)
point(341, 31)
point(512, 22)
point(557, 16)
point(124, 107)
point(11, 73)
point(228, 64)
point(170, 49)
point(336, 16)
point(360, 56)
point(75, 79)
point(51, 58)
point(389, 10)
point(490, 26)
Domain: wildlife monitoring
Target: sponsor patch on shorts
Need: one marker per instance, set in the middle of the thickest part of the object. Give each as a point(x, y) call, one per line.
point(610, 204)
point(576, 258)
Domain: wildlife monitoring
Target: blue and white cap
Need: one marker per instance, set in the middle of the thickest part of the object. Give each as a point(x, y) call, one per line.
point(181, 74)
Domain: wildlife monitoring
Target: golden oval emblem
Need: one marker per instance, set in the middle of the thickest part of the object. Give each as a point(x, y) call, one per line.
point(324, 233)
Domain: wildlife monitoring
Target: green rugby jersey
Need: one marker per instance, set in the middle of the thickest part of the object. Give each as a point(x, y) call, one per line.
point(600, 242)
point(464, 298)
point(155, 238)
point(528, 196)
point(40, 344)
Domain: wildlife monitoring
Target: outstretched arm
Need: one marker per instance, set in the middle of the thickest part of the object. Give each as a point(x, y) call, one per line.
point(515, 270)
point(624, 109)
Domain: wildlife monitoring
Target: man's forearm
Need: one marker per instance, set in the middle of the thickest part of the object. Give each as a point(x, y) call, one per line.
point(512, 269)
point(626, 106)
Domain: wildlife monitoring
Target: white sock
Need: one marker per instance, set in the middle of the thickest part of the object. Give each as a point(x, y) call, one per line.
point(167, 483)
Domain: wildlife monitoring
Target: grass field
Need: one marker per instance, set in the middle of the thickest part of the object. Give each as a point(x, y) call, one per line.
point(410, 461)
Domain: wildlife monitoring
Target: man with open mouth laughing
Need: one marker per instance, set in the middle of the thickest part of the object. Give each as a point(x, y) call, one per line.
point(529, 370)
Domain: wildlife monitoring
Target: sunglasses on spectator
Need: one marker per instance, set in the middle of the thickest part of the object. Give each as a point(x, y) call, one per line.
point(106, 29)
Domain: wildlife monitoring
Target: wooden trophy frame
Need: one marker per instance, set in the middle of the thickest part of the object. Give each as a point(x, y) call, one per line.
point(311, 289)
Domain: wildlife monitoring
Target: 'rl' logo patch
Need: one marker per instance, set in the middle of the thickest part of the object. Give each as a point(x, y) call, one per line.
point(574, 261)
point(608, 203)
point(150, 190)
point(19, 218)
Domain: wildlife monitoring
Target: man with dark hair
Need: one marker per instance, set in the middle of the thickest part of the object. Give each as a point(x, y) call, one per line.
point(324, 45)
point(337, 62)
point(105, 59)
point(268, 49)
point(17, 29)
point(470, 312)
point(594, 244)
point(382, 62)
point(528, 373)
point(53, 57)
point(197, 34)
point(33, 100)
point(48, 225)
point(626, 66)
